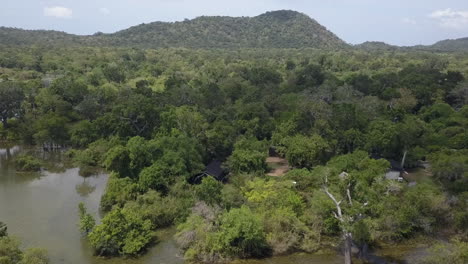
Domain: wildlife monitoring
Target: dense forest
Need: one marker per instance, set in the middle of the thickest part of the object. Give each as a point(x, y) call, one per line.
point(156, 118)
point(159, 120)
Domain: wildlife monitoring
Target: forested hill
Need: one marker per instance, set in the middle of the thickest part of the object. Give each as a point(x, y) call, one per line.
point(376, 46)
point(452, 45)
point(448, 45)
point(277, 29)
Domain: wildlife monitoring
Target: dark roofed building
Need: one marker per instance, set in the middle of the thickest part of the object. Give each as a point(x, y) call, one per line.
point(214, 169)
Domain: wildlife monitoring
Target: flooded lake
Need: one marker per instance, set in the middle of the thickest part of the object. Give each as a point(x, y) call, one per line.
point(41, 209)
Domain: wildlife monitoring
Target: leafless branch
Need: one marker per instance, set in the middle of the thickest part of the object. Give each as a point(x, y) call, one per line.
point(348, 193)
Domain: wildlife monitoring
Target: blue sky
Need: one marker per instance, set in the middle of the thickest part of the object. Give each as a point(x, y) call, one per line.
point(400, 22)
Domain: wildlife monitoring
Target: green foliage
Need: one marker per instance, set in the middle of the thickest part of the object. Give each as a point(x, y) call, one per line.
point(241, 234)
point(51, 129)
point(11, 97)
point(181, 146)
point(163, 172)
point(3, 229)
point(209, 191)
point(83, 133)
point(380, 136)
point(87, 221)
point(195, 236)
point(186, 119)
point(117, 160)
point(11, 252)
point(118, 192)
point(454, 252)
point(427, 209)
point(140, 153)
point(94, 155)
point(302, 151)
point(122, 232)
point(155, 117)
point(27, 163)
point(162, 211)
point(273, 194)
point(114, 72)
point(285, 232)
point(451, 168)
point(246, 161)
point(249, 156)
point(35, 256)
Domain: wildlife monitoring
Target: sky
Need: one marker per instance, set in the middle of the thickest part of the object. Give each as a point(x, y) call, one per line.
point(398, 22)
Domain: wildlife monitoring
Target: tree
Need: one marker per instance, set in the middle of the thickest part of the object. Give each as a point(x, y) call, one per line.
point(241, 234)
point(87, 221)
point(409, 134)
point(10, 252)
point(247, 161)
point(302, 151)
point(345, 221)
point(83, 133)
point(122, 232)
point(141, 154)
point(310, 76)
point(450, 167)
point(353, 182)
point(51, 129)
point(3, 229)
point(163, 173)
point(458, 97)
point(380, 136)
point(35, 256)
point(114, 72)
point(133, 115)
point(455, 252)
point(118, 192)
point(11, 97)
point(209, 191)
point(117, 160)
point(186, 119)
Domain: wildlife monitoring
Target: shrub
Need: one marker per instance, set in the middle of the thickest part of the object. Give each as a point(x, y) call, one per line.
point(27, 163)
point(247, 161)
point(241, 234)
point(209, 191)
point(87, 221)
point(122, 232)
point(118, 192)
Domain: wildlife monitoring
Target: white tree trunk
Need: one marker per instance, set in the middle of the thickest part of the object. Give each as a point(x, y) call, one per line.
point(347, 248)
point(403, 159)
point(346, 234)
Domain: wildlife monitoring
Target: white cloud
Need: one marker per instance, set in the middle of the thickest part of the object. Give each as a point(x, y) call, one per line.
point(450, 18)
point(104, 10)
point(58, 11)
point(409, 21)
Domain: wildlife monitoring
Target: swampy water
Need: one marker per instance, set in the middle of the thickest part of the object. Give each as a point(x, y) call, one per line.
point(41, 210)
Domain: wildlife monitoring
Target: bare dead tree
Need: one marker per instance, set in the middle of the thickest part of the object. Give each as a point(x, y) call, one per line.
point(345, 221)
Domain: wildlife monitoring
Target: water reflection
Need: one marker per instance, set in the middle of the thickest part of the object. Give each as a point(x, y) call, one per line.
point(84, 188)
point(41, 208)
point(9, 151)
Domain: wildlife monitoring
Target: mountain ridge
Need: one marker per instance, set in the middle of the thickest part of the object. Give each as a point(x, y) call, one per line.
point(273, 29)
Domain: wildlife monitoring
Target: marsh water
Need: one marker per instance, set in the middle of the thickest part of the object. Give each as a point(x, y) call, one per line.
point(41, 210)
